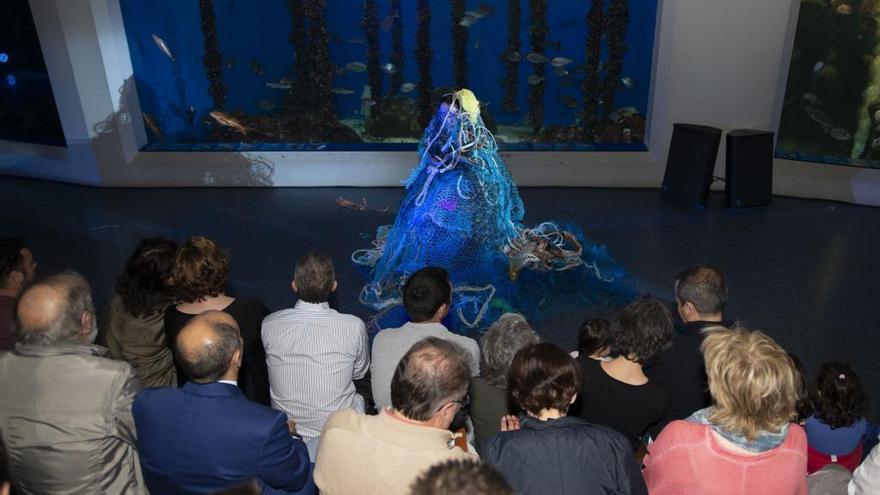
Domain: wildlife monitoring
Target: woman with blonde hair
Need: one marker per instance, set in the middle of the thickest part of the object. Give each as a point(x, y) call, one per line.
point(745, 443)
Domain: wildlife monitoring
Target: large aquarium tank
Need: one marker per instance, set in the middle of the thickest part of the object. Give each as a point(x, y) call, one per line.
point(831, 112)
point(349, 74)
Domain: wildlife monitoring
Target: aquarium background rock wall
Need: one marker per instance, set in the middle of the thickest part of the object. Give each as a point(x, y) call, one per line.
point(366, 74)
point(831, 112)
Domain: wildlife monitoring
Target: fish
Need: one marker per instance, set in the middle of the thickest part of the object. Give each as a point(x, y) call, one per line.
point(628, 111)
point(389, 68)
point(819, 117)
point(191, 113)
point(389, 21)
point(810, 97)
point(356, 67)
point(355, 41)
point(341, 71)
point(278, 85)
point(153, 126)
point(514, 56)
point(844, 9)
point(628, 82)
point(560, 61)
point(468, 21)
point(164, 47)
point(342, 91)
point(266, 105)
point(560, 71)
point(534, 79)
point(407, 87)
point(227, 120)
point(818, 67)
point(536, 58)
point(256, 67)
point(839, 134)
point(568, 101)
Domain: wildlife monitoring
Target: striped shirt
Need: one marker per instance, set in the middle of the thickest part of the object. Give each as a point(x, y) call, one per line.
point(314, 354)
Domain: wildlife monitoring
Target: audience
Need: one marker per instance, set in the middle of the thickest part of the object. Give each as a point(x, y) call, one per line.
point(427, 296)
point(545, 451)
point(133, 328)
point(207, 436)
point(700, 297)
point(5, 481)
point(594, 340)
point(387, 452)
point(617, 393)
point(866, 478)
point(199, 278)
point(65, 410)
point(461, 477)
point(744, 443)
point(17, 270)
point(488, 393)
point(314, 353)
point(836, 428)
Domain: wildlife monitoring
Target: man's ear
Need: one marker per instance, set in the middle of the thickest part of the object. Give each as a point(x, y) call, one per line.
point(335, 285)
point(236, 358)
point(573, 398)
point(293, 286)
point(86, 323)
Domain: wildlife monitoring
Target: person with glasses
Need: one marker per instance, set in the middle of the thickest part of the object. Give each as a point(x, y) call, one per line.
point(386, 453)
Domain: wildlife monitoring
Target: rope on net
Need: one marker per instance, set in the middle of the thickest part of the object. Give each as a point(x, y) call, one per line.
point(545, 248)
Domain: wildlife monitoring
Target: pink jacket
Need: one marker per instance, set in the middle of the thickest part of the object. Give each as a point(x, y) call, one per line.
point(688, 459)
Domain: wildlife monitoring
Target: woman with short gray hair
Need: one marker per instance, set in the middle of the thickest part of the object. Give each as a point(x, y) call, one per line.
point(488, 393)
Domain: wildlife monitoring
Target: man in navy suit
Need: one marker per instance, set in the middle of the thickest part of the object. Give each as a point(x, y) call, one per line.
point(207, 436)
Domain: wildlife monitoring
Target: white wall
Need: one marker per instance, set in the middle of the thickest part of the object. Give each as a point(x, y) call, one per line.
point(717, 62)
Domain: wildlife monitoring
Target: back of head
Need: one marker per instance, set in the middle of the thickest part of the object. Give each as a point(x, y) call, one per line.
point(205, 347)
point(510, 333)
point(315, 278)
point(433, 372)
point(704, 287)
point(753, 381)
point(143, 284)
point(543, 376)
point(201, 270)
point(461, 477)
point(840, 400)
point(55, 309)
point(11, 259)
point(641, 330)
point(425, 292)
point(594, 335)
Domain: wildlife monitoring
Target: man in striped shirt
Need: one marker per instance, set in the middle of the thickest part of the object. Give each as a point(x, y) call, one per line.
point(314, 353)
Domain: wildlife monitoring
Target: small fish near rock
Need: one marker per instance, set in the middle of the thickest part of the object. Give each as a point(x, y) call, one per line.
point(356, 67)
point(844, 9)
point(560, 61)
point(407, 87)
point(389, 68)
point(153, 126)
point(468, 21)
point(839, 134)
point(514, 56)
point(389, 21)
point(628, 82)
point(817, 68)
point(163, 47)
point(534, 79)
point(227, 120)
point(342, 91)
point(278, 85)
point(536, 58)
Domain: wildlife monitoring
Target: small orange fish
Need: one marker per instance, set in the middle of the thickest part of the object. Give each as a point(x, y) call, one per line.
point(844, 9)
point(153, 126)
point(228, 121)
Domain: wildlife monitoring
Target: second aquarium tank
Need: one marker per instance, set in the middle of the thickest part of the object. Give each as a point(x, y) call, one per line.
point(367, 74)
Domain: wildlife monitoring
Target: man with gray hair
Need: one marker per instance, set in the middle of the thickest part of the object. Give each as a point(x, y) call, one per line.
point(385, 453)
point(65, 409)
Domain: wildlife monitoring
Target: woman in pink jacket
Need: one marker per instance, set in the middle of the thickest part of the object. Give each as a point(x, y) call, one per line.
point(745, 443)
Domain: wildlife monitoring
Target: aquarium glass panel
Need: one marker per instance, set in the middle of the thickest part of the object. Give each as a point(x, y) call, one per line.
point(350, 74)
point(27, 106)
point(831, 112)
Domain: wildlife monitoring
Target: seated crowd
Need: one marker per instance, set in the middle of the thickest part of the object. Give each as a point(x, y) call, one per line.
point(194, 390)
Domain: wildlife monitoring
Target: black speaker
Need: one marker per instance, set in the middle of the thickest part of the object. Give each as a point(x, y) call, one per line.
point(749, 168)
point(690, 163)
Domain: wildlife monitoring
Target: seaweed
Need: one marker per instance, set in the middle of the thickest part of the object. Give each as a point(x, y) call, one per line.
point(397, 55)
point(459, 44)
point(370, 25)
point(299, 39)
point(539, 29)
point(321, 74)
point(424, 57)
point(213, 59)
point(511, 80)
point(591, 84)
point(616, 24)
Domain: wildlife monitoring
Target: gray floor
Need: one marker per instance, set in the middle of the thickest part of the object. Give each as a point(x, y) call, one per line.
point(804, 271)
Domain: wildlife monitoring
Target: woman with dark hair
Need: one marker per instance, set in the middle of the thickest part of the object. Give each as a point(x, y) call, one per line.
point(836, 428)
point(545, 451)
point(199, 277)
point(133, 327)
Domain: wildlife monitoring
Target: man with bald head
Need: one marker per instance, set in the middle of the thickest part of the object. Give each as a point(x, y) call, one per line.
point(65, 409)
point(207, 436)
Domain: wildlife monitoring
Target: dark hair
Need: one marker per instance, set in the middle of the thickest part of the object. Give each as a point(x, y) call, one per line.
point(201, 269)
point(4, 463)
point(143, 286)
point(10, 257)
point(314, 278)
point(840, 400)
point(804, 405)
point(593, 336)
point(543, 376)
point(433, 372)
point(211, 361)
point(462, 477)
point(641, 330)
point(425, 291)
point(704, 287)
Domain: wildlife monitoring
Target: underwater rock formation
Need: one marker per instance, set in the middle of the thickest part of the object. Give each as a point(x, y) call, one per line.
point(213, 59)
point(591, 84)
point(370, 25)
point(424, 57)
point(397, 55)
point(299, 39)
point(319, 49)
point(512, 56)
point(459, 45)
point(616, 24)
point(395, 116)
point(538, 34)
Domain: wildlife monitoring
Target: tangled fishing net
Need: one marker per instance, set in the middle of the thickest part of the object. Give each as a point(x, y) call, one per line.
point(462, 212)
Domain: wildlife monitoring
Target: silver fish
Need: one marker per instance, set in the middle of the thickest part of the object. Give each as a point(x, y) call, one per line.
point(468, 21)
point(514, 56)
point(164, 47)
point(278, 85)
point(356, 67)
point(839, 134)
point(818, 67)
point(560, 61)
point(388, 68)
point(536, 58)
point(628, 111)
point(407, 87)
point(819, 117)
point(342, 91)
point(534, 79)
point(628, 82)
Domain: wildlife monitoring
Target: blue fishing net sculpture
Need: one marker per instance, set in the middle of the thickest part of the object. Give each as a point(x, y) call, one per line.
point(463, 212)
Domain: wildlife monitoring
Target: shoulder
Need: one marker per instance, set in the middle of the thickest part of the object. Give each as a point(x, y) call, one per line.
point(248, 304)
point(797, 437)
point(387, 337)
point(346, 420)
point(468, 343)
point(681, 431)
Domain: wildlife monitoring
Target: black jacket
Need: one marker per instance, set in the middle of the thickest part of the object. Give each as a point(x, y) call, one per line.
point(565, 456)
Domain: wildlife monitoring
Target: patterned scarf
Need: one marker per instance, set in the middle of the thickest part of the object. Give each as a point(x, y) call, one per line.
point(763, 442)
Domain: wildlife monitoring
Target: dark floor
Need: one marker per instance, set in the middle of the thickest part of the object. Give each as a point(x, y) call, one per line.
point(804, 271)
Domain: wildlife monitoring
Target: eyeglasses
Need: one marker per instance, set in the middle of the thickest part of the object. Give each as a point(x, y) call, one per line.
point(464, 402)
